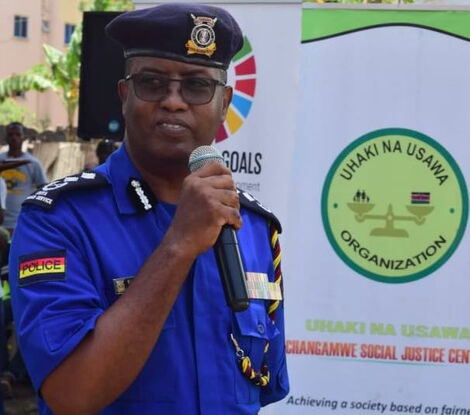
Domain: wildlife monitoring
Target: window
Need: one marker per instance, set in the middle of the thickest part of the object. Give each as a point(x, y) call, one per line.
point(45, 26)
point(21, 26)
point(69, 28)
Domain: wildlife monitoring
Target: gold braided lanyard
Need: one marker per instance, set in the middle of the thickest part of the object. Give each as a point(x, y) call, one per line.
point(262, 377)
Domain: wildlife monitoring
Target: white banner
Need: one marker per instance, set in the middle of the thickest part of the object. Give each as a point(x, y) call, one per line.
point(257, 140)
point(260, 152)
point(261, 125)
point(377, 255)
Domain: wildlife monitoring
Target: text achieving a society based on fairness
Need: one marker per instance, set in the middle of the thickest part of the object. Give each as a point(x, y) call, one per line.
point(375, 406)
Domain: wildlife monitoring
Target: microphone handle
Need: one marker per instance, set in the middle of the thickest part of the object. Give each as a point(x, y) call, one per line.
point(231, 270)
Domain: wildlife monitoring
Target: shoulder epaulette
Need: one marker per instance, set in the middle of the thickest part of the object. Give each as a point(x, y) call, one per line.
point(249, 202)
point(49, 194)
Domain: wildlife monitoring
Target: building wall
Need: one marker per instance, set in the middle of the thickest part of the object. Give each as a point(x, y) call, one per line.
point(18, 55)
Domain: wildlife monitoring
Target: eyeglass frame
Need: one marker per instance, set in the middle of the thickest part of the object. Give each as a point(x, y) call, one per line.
point(214, 82)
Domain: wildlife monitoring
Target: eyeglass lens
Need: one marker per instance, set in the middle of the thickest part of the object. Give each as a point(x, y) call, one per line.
point(150, 87)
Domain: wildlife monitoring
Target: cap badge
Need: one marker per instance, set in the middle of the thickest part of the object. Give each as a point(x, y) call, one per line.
point(202, 36)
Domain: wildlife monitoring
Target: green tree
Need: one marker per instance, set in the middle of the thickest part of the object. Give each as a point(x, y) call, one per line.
point(105, 5)
point(61, 71)
point(11, 111)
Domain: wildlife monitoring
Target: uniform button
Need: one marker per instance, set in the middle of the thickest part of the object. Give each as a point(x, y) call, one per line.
point(261, 328)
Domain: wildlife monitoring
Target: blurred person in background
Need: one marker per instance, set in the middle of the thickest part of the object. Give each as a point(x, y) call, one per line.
point(22, 172)
point(104, 149)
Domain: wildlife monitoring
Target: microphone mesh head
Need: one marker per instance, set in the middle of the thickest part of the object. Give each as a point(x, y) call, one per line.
point(203, 155)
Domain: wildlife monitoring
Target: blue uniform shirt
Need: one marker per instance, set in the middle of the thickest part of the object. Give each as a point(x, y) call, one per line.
point(66, 263)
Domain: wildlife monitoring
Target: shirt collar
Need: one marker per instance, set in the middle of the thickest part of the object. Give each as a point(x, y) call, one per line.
point(131, 197)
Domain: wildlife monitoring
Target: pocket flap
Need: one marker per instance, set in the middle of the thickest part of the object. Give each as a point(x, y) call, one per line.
point(254, 322)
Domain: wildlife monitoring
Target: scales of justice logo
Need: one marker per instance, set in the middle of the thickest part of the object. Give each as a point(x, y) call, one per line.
point(395, 205)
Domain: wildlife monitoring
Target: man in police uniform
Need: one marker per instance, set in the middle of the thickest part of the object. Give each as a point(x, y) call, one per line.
point(117, 297)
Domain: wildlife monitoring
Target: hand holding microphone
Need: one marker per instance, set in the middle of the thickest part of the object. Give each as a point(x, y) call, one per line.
point(226, 248)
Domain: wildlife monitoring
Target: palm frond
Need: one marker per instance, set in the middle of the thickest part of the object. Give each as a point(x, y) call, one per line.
point(15, 84)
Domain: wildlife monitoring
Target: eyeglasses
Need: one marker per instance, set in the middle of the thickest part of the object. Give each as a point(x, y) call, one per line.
point(154, 88)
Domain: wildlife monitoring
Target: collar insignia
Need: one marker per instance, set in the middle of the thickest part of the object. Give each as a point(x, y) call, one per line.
point(141, 195)
point(202, 36)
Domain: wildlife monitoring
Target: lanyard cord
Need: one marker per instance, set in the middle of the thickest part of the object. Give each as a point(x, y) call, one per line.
point(262, 377)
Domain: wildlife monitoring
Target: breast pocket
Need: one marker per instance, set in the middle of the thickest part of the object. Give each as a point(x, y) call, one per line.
point(253, 330)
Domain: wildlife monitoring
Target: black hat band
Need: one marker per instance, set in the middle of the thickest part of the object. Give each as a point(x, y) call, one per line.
point(132, 53)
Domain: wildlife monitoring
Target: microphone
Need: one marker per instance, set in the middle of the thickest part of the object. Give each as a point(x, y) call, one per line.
point(226, 249)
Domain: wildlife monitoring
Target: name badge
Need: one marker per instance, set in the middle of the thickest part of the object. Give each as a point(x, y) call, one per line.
point(260, 288)
point(121, 284)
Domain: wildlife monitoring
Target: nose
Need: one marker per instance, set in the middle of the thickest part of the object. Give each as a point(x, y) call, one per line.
point(173, 100)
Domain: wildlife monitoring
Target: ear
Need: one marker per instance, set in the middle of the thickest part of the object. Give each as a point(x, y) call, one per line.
point(227, 99)
point(123, 90)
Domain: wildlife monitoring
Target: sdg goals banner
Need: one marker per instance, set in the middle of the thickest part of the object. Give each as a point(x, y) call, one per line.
point(257, 138)
point(377, 264)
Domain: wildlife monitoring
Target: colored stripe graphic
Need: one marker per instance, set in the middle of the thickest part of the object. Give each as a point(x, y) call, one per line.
point(222, 134)
point(243, 93)
point(246, 86)
point(42, 266)
point(243, 105)
point(234, 122)
point(420, 197)
point(245, 50)
point(323, 23)
point(247, 67)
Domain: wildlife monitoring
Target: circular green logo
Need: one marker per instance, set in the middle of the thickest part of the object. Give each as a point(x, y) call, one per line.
point(394, 205)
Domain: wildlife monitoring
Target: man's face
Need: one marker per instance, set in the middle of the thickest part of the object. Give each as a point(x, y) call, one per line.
point(15, 137)
point(169, 130)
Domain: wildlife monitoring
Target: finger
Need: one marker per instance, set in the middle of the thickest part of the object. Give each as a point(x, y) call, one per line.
point(233, 217)
point(212, 169)
point(220, 182)
point(229, 198)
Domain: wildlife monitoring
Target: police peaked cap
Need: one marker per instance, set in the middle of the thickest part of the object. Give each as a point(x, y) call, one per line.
point(191, 33)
